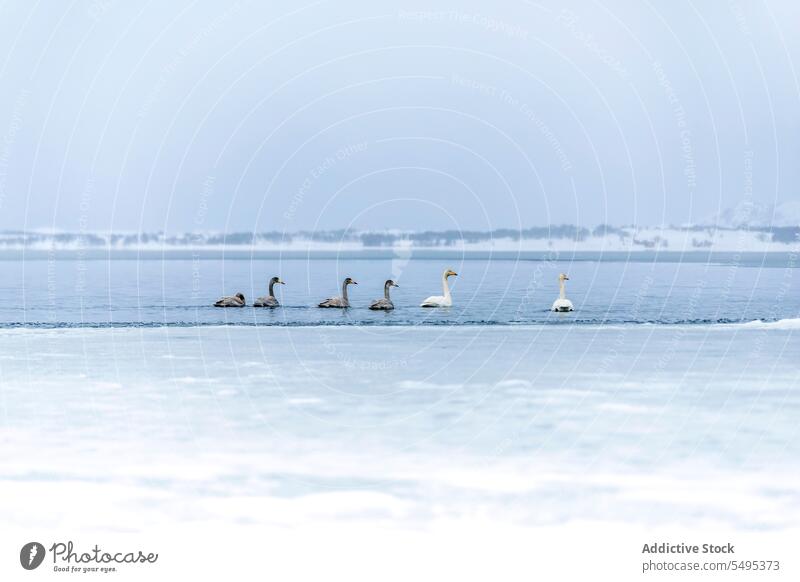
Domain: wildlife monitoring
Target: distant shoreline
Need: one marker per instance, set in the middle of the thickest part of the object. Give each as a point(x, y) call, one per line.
point(744, 259)
point(553, 239)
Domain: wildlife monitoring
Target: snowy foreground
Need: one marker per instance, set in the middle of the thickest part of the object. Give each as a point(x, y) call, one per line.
point(405, 453)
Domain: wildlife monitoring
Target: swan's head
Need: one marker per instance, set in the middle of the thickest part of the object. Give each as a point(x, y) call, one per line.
point(240, 297)
point(450, 273)
point(390, 283)
point(563, 277)
point(276, 280)
point(349, 281)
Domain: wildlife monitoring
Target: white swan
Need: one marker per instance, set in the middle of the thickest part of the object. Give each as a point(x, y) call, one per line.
point(562, 303)
point(441, 300)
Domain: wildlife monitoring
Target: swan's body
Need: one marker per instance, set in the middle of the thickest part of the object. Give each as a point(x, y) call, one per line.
point(441, 300)
point(269, 300)
point(230, 301)
point(384, 304)
point(339, 302)
point(562, 304)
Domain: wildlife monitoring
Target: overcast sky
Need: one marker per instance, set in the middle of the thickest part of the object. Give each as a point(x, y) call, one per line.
point(292, 115)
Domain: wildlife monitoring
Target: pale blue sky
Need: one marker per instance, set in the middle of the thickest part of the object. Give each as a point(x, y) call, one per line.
point(298, 115)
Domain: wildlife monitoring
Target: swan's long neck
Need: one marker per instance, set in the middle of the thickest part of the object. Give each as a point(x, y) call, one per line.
point(272, 288)
point(445, 286)
point(344, 291)
point(386, 291)
point(563, 293)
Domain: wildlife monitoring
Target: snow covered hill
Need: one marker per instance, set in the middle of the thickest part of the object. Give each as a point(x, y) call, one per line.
point(751, 214)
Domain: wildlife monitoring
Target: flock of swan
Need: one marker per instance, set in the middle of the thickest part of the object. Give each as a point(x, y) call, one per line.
point(562, 304)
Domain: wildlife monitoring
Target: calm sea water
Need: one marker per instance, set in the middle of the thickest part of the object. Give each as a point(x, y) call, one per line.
point(149, 290)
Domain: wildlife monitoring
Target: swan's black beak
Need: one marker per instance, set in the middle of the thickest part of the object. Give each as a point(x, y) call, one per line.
point(282, 282)
point(355, 282)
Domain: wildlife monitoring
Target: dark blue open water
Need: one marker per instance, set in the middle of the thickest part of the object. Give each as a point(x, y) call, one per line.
point(62, 290)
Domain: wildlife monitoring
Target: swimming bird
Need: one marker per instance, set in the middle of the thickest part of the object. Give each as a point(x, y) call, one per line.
point(441, 300)
point(269, 300)
point(230, 301)
point(562, 303)
point(340, 302)
point(384, 304)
